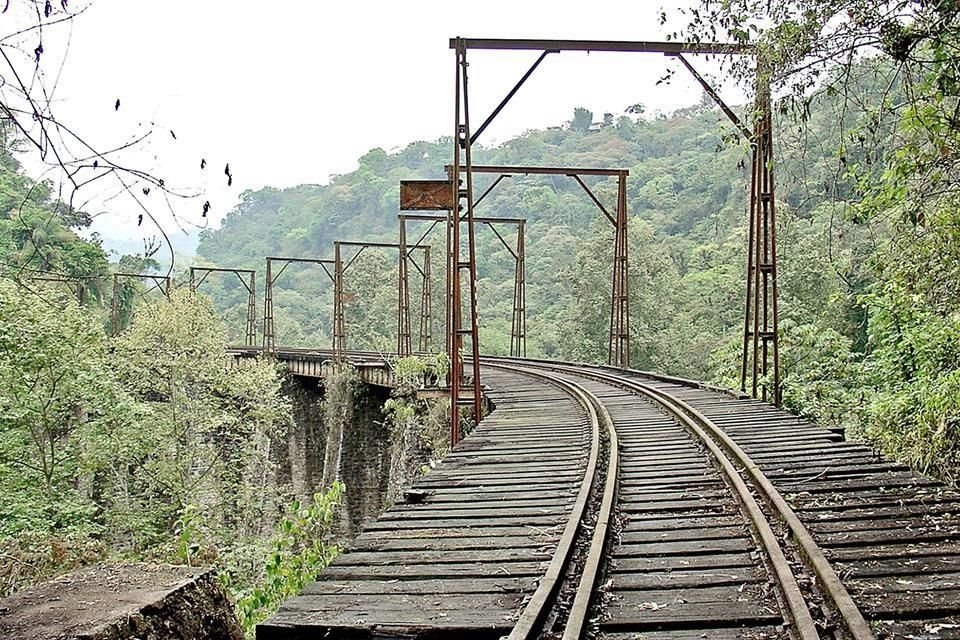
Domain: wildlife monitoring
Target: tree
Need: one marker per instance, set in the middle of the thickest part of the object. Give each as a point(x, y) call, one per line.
point(75, 170)
point(55, 386)
point(582, 120)
point(897, 159)
point(202, 434)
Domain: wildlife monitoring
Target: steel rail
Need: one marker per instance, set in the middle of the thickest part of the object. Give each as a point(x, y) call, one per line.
point(829, 581)
point(590, 572)
point(529, 623)
point(717, 441)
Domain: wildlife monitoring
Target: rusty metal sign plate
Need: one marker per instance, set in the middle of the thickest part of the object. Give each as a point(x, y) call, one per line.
point(431, 195)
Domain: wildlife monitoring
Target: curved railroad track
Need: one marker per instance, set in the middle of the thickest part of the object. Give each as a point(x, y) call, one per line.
point(598, 502)
point(727, 457)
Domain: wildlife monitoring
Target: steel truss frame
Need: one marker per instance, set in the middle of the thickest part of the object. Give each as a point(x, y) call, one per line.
point(760, 335)
point(618, 347)
point(425, 337)
point(269, 331)
point(163, 284)
point(250, 285)
point(518, 328)
point(403, 298)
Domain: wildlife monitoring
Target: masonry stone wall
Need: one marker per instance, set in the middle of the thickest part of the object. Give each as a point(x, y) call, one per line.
point(341, 432)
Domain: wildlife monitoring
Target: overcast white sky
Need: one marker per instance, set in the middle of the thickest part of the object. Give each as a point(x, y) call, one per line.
point(290, 92)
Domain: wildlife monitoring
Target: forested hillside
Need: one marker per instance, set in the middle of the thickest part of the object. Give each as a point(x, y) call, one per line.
point(687, 197)
point(683, 193)
point(141, 444)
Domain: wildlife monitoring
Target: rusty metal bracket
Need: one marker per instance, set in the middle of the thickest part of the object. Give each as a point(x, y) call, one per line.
point(513, 92)
point(404, 339)
point(716, 97)
point(269, 328)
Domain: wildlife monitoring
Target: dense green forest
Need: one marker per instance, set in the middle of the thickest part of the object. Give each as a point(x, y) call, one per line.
point(687, 196)
point(145, 445)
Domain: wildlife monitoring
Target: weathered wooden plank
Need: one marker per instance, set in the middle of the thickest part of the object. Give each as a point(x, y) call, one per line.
point(685, 579)
point(714, 633)
point(414, 558)
point(329, 584)
point(449, 544)
point(653, 609)
point(684, 548)
point(718, 561)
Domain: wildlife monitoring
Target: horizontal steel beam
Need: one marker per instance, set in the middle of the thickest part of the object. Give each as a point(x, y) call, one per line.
point(442, 218)
point(553, 171)
point(221, 270)
point(623, 46)
point(308, 260)
point(142, 275)
point(377, 245)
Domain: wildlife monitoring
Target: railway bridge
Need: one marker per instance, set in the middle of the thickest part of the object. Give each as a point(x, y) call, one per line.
point(603, 502)
point(596, 501)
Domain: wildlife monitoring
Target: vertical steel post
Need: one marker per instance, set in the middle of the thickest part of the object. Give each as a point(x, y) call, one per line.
point(618, 352)
point(252, 311)
point(339, 326)
point(518, 327)
point(625, 271)
point(269, 344)
point(463, 153)
point(523, 288)
point(761, 326)
point(404, 338)
point(193, 285)
point(453, 325)
point(448, 284)
point(426, 305)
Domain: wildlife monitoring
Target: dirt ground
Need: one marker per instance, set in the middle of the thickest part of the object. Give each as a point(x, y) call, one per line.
point(122, 602)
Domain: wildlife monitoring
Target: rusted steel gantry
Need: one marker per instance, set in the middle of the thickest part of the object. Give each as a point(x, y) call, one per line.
point(403, 298)
point(518, 325)
point(163, 284)
point(248, 278)
point(760, 357)
point(269, 330)
point(618, 348)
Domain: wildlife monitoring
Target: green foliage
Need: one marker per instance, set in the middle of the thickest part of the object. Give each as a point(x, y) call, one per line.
point(582, 119)
point(202, 431)
point(37, 232)
point(885, 352)
point(148, 446)
point(914, 367)
point(823, 375)
point(419, 370)
point(56, 387)
point(299, 549)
